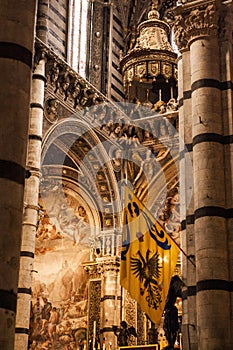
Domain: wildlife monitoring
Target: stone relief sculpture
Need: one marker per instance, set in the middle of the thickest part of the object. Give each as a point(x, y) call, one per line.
point(51, 110)
point(169, 215)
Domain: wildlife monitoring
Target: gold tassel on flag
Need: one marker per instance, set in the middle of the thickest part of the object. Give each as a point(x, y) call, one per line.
point(148, 258)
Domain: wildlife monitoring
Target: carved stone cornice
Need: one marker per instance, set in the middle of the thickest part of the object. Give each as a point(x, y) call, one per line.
point(195, 19)
point(66, 86)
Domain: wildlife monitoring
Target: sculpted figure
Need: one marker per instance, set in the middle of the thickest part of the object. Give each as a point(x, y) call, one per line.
point(124, 333)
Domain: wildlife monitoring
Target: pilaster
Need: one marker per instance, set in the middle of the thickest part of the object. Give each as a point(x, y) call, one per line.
point(31, 208)
point(104, 271)
point(42, 27)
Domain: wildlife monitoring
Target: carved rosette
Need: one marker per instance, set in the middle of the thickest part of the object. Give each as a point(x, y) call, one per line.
point(192, 22)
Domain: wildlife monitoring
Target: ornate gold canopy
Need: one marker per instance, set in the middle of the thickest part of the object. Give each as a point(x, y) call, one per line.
point(149, 67)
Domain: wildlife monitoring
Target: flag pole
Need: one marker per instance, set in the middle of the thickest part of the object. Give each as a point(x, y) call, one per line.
point(182, 251)
point(187, 256)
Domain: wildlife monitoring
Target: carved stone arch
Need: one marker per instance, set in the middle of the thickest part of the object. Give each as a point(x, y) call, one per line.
point(83, 161)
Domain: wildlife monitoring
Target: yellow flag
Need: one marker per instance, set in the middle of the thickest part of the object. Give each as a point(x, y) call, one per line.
point(148, 258)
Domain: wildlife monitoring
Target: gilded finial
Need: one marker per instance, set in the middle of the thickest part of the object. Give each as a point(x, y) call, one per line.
point(154, 13)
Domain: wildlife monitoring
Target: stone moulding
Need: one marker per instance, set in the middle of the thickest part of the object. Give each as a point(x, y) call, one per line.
point(66, 85)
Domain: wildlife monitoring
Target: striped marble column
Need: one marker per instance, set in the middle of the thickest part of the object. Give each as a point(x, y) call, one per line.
point(110, 300)
point(182, 187)
point(104, 300)
point(198, 28)
point(226, 72)
point(30, 218)
point(189, 327)
point(16, 45)
point(42, 20)
point(213, 298)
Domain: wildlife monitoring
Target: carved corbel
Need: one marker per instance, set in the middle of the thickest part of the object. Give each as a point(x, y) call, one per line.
point(62, 82)
point(40, 54)
point(53, 72)
point(51, 106)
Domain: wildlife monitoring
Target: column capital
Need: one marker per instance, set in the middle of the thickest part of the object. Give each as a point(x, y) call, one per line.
point(194, 20)
point(101, 265)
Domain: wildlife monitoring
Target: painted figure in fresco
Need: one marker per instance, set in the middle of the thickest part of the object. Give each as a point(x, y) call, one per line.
point(46, 310)
point(144, 175)
point(37, 309)
point(33, 345)
point(53, 321)
point(79, 224)
point(82, 213)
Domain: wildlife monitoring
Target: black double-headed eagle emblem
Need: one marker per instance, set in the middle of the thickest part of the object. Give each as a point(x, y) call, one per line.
point(148, 270)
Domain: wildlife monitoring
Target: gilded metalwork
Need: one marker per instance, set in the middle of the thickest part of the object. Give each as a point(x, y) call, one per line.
point(150, 57)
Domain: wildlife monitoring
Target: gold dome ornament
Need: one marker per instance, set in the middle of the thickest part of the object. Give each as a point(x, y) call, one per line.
point(153, 13)
point(150, 64)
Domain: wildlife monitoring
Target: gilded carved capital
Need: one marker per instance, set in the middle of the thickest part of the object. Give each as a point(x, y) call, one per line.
point(192, 22)
point(102, 265)
point(93, 270)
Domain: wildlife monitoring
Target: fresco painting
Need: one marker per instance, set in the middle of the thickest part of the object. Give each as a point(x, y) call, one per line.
point(59, 291)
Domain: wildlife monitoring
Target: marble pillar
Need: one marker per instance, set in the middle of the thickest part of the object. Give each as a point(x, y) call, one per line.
point(197, 28)
point(30, 217)
point(104, 271)
point(17, 20)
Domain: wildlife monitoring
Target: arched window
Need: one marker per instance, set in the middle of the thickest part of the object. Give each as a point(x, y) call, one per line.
point(77, 35)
